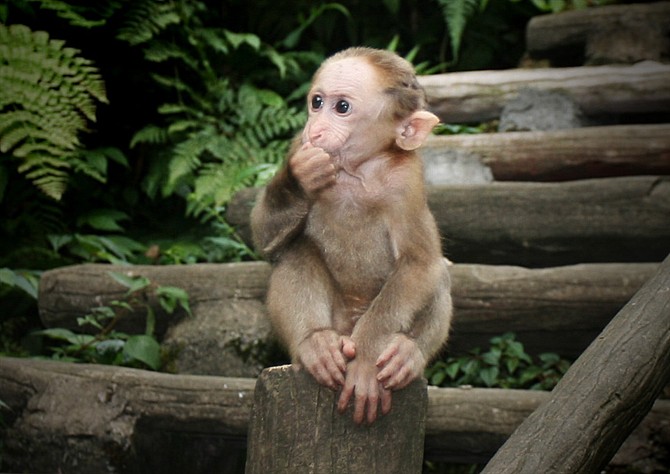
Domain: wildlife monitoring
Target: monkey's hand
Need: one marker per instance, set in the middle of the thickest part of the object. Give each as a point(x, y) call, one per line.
point(324, 355)
point(313, 168)
point(400, 363)
point(368, 394)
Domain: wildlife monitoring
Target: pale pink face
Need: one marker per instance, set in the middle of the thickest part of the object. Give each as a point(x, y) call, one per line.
point(345, 107)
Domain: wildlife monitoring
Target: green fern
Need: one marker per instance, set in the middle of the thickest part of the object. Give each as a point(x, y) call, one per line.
point(218, 134)
point(48, 96)
point(456, 14)
point(147, 19)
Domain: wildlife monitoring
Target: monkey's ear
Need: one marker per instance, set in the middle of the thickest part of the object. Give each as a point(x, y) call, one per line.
point(414, 130)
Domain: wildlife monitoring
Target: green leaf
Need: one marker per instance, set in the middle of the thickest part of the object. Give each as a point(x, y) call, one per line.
point(27, 282)
point(144, 349)
point(238, 39)
point(492, 357)
point(132, 282)
point(170, 297)
point(438, 378)
point(66, 335)
point(489, 376)
point(103, 219)
point(452, 370)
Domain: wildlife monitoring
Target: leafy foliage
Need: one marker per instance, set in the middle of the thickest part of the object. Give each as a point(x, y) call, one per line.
point(109, 346)
point(217, 135)
point(504, 365)
point(48, 95)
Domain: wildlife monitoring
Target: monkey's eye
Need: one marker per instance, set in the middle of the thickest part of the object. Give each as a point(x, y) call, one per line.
point(342, 107)
point(317, 102)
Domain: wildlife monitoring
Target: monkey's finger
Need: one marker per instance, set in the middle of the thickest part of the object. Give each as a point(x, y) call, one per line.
point(400, 379)
point(360, 403)
point(348, 347)
point(388, 353)
point(345, 396)
point(339, 361)
point(372, 401)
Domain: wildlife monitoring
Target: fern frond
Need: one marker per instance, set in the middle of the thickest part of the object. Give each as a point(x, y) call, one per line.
point(150, 134)
point(146, 19)
point(48, 94)
point(185, 159)
point(84, 16)
point(456, 14)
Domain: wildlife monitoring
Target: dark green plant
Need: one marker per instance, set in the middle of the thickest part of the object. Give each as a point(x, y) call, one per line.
point(504, 365)
point(48, 97)
point(220, 131)
point(109, 346)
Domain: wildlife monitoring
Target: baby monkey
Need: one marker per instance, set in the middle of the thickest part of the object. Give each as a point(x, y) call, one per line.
point(359, 292)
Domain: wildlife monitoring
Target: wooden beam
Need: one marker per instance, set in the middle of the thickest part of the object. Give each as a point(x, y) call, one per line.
point(553, 155)
point(547, 224)
point(552, 309)
point(612, 33)
point(86, 418)
point(478, 96)
point(543, 224)
point(603, 396)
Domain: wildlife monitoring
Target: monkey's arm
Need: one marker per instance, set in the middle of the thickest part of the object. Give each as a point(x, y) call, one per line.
point(282, 207)
point(414, 285)
point(279, 214)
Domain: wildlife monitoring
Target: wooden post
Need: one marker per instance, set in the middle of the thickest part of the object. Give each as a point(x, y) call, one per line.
point(295, 427)
point(603, 396)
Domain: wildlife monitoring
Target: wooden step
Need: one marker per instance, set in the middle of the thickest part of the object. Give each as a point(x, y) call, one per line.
point(88, 418)
point(480, 96)
point(607, 34)
point(552, 310)
point(548, 156)
point(625, 219)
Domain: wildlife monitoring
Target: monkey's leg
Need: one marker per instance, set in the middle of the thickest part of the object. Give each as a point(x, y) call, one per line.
point(300, 305)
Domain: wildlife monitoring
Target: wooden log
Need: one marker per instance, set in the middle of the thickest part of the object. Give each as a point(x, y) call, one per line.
point(478, 96)
point(66, 293)
point(612, 33)
point(558, 309)
point(554, 155)
point(603, 396)
point(87, 418)
point(551, 310)
point(295, 427)
point(543, 224)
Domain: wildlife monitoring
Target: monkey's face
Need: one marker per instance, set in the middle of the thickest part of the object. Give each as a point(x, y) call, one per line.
point(346, 106)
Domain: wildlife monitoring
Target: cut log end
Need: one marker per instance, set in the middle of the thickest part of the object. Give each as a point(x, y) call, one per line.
point(295, 427)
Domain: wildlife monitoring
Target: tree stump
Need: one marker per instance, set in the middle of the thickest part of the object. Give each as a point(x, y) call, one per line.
point(295, 427)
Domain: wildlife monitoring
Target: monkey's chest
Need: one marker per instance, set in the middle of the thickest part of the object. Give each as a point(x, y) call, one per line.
point(356, 247)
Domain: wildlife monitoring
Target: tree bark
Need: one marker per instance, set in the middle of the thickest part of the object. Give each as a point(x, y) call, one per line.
point(558, 309)
point(294, 427)
point(604, 395)
point(478, 96)
point(556, 155)
point(543, 224)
